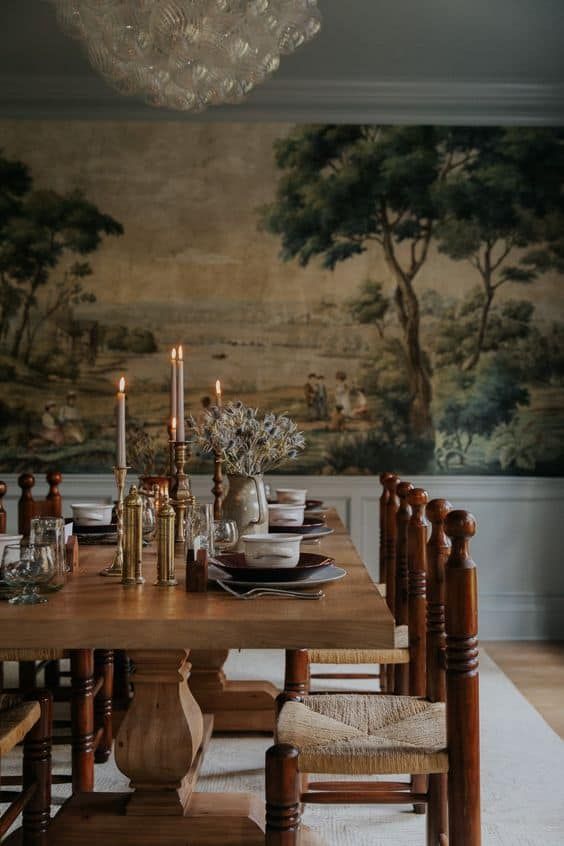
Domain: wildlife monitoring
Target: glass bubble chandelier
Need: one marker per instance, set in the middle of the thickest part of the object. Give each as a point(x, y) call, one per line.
point(188, 54)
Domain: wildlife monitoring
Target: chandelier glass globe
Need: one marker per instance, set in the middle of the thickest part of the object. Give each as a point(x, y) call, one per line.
point(188, 54)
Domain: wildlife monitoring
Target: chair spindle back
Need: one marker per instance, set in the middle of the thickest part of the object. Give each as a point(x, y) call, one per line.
point(438, 551)
point(384, 497)
point(392, 505)
point(417, 565)
point(28, 508)
point(462, 681)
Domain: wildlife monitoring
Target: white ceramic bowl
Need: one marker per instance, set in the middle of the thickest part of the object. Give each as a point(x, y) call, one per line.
point(92, 513)
point(8, 540)
point(272, 550)
point(280, 514)
point(291, 496)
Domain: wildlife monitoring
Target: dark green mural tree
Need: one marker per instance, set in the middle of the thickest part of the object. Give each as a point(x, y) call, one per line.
point(344, 188)
point(504, 213)
point(39, 231)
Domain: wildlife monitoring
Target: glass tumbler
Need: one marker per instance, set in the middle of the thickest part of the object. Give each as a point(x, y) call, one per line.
point(51, 530)
point(199, 529)
point(225, 535)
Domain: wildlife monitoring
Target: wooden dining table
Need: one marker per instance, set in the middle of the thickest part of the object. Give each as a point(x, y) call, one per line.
point(161, 742)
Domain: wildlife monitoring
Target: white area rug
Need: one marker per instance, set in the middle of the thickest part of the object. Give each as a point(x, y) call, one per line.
point(522, 772)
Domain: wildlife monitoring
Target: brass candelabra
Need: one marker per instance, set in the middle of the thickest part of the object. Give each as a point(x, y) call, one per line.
point(183, 497)
point(116, 567)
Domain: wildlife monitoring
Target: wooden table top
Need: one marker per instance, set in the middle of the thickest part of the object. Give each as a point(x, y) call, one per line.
point(96, 612)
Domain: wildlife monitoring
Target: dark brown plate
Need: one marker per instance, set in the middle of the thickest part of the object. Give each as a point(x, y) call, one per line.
point(235, 564)
point(313, 503)
point(310, 524)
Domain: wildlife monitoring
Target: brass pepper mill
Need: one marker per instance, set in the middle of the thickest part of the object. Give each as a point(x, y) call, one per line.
point(165, 544)
point(133, 538)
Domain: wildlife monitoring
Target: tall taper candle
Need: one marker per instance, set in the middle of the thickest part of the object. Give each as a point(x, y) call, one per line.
point(218, 393)
point(180, 432)
point(173, 387)
point(120, 437)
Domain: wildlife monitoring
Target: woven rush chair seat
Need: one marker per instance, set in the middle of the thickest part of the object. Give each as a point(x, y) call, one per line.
point(398, 654)
point(16, 719)
point(32, 654)
point(366, 735)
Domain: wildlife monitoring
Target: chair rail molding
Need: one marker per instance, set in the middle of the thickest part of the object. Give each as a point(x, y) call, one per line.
point(478, 102)
point(517, 547)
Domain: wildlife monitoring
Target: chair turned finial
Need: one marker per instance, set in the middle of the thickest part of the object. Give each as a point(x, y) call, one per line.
point(418, 499)
point(403, 489)
point(390, 481)
point(54, 479)
point(3, 491)
point(26, 481)
point(460, 526)
point(437, 511)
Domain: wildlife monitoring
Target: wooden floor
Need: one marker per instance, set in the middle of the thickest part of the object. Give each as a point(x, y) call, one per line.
point(536, 668)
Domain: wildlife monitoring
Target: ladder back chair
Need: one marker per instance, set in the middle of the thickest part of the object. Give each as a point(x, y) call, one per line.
point(413, 526)
point(91, 672)
point(390, 734)
point(394, 519)
point(28, 719)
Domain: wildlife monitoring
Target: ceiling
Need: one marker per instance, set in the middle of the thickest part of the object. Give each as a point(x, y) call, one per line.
point(396, 60)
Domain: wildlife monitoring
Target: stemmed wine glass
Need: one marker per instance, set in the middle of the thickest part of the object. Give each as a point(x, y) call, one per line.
point(28, 567)
point(225, 534)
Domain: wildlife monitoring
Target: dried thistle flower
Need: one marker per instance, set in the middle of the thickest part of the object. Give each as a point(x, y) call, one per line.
point(248, 441)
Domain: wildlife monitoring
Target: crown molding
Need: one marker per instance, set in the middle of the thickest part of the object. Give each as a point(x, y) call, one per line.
point(337, 101)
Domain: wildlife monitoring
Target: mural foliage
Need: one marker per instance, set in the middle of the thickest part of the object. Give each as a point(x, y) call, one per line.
point(429, 337)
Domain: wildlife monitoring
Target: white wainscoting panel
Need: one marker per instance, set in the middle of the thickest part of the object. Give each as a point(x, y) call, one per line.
point(518, 547)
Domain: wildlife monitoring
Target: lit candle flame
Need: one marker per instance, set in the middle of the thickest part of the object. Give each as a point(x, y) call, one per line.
point(173, 424)
point(173, 354)
point(218, 387)
point(180, 356)
point(122, 385)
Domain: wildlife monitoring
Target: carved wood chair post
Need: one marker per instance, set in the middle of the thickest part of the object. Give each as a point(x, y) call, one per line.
point(384, 497)
point(82, 717)
point(438, 550)
point(37, 770)
point(54, 479)
point(402, 578)
point(463, 737)
point(296, 676)
point(26, 481)
point(282, 796)
point(104, 672)
point(3, 516)
point(392, 505)
point(417, 567)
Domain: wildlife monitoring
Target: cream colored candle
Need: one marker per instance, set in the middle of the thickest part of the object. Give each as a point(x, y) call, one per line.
point(173, 401)
point(180, 432)
point(121, 457)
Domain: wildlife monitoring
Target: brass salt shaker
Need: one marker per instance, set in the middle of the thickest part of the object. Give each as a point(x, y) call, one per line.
point(133, 538)
point(165, 544)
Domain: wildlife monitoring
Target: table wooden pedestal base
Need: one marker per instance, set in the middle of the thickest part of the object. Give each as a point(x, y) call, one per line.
point(210, 819)
point(235, 705)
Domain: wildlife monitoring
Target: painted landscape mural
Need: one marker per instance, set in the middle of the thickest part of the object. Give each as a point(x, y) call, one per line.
point(397, 290)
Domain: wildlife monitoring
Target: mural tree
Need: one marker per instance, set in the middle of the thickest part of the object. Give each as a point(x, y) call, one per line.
point(41, 230)
point(344, 188)
point(504, 213)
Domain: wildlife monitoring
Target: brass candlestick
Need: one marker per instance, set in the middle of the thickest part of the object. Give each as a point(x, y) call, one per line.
point(217, 489)
point(116, 567)
point(183, 497)
point(133, 538)
point(165, 545)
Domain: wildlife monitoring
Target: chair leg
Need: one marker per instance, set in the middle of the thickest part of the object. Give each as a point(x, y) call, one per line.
point(282, 796)
point(419, 785)
point(437, 810)
point(82, 717)
point(52, 675)
point(26, 676)
point(37, 770)
point(104, 667)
